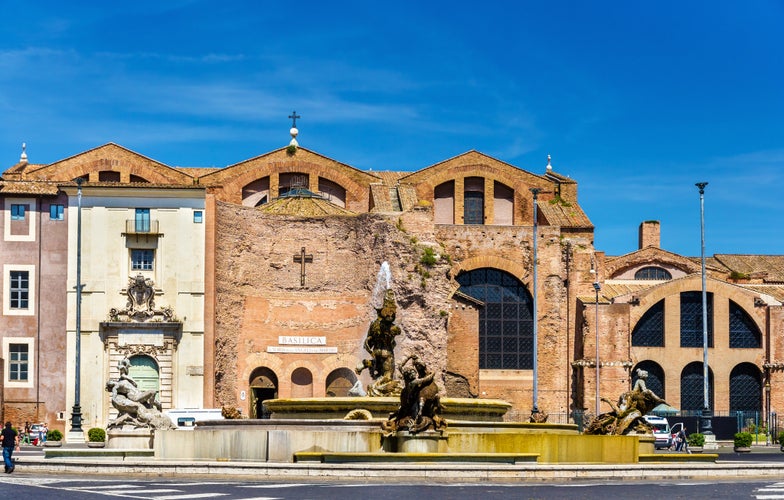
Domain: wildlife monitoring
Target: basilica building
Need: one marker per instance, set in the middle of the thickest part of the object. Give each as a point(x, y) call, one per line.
point(231, 286)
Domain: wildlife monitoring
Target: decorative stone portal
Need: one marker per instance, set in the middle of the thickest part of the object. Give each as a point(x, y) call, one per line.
point(144, 334)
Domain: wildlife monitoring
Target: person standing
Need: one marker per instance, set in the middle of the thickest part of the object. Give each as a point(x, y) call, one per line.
point(9, 436)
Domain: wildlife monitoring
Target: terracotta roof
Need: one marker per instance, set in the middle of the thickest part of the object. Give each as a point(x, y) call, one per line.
point(197, 171)
point(768, 267)
point(775, 291)
point(390, 178)
point(27, 187)
point(564, 214)
point(307, 206)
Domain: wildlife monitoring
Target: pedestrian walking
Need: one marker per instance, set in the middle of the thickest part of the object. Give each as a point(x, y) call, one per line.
point(10, 438)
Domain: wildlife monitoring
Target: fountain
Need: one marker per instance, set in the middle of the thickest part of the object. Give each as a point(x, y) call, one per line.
point(401, 419)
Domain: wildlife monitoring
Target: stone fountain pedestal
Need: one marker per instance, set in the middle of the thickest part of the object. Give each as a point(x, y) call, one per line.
point(422, 442)
point(130, 439)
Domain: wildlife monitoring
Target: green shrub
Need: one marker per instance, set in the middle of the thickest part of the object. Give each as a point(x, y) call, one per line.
point(696, 439)
point(781, 438)
point(54, 435)
point(743, 439)
point(96, 435)
point(428, 257)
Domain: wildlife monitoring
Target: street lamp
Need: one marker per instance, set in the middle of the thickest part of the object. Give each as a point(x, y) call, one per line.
point(535, 408)
point(76, 413)
point(597, 287)
point(768, 435)
point(706, 411)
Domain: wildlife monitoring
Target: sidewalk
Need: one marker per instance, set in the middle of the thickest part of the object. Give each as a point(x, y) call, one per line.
point(30, 461)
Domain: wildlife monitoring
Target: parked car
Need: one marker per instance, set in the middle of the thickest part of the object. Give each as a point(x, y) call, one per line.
point(661, 431)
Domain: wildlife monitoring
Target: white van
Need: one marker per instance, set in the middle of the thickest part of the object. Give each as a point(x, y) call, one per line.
point(188, 418)
point(661, 431)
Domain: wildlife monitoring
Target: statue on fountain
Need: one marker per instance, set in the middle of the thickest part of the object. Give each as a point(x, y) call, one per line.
point(380, 344)
point(137, 408)
point(627, 418)
point(420, 403)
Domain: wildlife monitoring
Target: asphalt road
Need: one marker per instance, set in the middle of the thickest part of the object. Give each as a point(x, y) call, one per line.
point(51, 487)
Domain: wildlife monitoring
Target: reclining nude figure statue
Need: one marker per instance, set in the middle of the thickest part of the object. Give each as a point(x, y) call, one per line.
point(627, 417)
point(135, 408)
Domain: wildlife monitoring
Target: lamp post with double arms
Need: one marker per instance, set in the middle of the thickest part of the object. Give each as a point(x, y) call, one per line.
point(706, 410)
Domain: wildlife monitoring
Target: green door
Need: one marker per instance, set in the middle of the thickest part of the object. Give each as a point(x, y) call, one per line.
point(144, 370)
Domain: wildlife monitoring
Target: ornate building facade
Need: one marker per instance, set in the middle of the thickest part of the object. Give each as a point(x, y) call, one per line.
point(235, 285)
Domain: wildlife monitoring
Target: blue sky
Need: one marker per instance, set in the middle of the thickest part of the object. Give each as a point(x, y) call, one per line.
point(635, 100)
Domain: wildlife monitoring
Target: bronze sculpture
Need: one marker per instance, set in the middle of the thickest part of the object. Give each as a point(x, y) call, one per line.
point(380, 344)
point(420, 402)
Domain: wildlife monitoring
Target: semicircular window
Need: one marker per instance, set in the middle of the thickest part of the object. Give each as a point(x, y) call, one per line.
point(745, 388)
point(652, 273)
point(743, 331)
point(649, 331)
point(506, 337)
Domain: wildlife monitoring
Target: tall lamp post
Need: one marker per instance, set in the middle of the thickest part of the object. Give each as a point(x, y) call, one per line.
point(597, 287)
point(76, 413)
point(706, 411)
point(535, 408)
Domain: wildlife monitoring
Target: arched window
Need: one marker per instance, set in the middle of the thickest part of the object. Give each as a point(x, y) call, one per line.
point(655, 381)
point(652, 273)
point(692, 387)
point(743, 330)
point(332, 191)
point(745, 388)
point(256, 193)
point(691, 319)
point(339, 382)
point(505, 322)
point(263, 386)
point(474, 200)
point(137, 178)
point(108, 176)
point(503, 204)
point(301, 383)
point(649, 331)
point(444, 203)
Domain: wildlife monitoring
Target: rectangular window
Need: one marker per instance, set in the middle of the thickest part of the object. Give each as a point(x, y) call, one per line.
point(56, 212)
point(198, 216)
point(19, 289)
point(18, 362)
point(142, 220)
point(142, 260)
point(17, 212)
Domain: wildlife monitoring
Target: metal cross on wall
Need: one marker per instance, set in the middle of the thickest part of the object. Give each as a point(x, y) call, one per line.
point(294, 117)
point(301, 259)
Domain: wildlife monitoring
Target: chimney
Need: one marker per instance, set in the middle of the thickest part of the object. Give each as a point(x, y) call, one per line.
point(650, 234)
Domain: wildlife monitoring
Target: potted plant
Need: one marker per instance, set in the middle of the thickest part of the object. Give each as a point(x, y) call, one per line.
point(781, 440)
point(54, 438)
point(742, 441)
point(96, 438)
point(696, 441)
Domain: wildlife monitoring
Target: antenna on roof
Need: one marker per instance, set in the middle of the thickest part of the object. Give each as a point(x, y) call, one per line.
point(23, 158)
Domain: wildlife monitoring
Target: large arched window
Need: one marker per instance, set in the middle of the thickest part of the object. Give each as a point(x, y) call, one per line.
point(655, 380)
point(745, 388)
point(743, 330)
point(505, 322)
point(692, 387)
point(649, 331)
point(652, 273)
point(691, 319)
point(503, 204)
point(256, 193)
point(332, 191)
